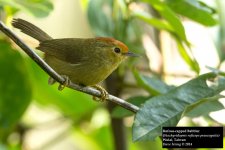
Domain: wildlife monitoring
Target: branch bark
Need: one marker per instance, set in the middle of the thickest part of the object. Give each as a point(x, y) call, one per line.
point(57, 77)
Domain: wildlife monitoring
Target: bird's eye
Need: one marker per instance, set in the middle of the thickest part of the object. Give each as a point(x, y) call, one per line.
point(117, 50)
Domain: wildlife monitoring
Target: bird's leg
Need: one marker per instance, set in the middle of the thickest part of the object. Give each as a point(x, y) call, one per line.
point(51, 81)
point(104, 93)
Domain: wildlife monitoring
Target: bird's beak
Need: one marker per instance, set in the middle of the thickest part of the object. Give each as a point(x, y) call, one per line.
point(130, 54)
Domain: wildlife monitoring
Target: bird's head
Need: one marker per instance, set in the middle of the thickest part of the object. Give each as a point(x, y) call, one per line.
point(116, 49)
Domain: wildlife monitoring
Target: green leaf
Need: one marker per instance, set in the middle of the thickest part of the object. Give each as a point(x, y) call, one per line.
point(120, 112)
point(37, 8)
point(199, 108)
point(100, 22)
point(157, 23)
point(122, 6)
point(220, 37)
point(169, 15)
point(193, 64)
point(15, 90)
point(151, 84)
point(193, 10)
point(167, 109)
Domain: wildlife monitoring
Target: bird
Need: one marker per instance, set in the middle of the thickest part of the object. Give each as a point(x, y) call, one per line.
point(83, 61)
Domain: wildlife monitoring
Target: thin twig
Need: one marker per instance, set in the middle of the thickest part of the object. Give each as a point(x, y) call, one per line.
point(59, 78)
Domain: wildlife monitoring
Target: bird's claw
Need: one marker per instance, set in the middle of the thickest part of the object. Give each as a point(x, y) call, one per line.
point(51, 81)
point(104, 94)
point(66, 83)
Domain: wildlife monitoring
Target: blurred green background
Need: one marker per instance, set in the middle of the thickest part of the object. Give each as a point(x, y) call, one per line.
point(176, 39)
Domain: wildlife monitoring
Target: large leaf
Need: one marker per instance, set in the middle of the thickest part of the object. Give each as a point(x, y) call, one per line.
point(15, 90)
point(193, 10)
point(167, 109)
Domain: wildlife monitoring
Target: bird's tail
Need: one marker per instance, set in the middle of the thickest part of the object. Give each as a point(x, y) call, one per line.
point(31, 30)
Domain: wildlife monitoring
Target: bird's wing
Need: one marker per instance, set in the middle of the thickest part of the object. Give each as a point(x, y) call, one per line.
point(68, 50)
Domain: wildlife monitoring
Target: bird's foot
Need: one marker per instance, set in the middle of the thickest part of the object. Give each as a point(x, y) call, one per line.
point(51, 81)
point(66, 83)
point(104, 94)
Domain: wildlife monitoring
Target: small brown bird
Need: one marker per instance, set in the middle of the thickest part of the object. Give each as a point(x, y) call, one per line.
point(84, 61)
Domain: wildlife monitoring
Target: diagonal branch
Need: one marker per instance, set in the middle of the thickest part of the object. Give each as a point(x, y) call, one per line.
point(57, 77)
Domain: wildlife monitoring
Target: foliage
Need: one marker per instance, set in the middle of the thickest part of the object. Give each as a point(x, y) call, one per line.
point(164, 104)
point(22, 81)
point(167, 109)
point(15, 89)
point(38, 8)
